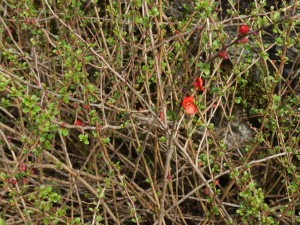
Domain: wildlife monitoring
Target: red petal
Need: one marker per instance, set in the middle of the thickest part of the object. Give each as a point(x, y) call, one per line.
point(79, 123)
point(191, 109)
point(201, 88)
point(188, 105)
point(188, 99)
point(216, 182)
point(198, 84)
point(223, 54)
point(161, 115)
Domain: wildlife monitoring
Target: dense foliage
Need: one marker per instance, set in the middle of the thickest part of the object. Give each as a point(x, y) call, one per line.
point(149, 112)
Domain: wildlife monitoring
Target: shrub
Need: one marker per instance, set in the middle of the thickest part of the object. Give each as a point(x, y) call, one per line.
point(94, 122)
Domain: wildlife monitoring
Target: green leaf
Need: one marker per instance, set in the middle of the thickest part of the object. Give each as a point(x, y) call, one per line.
point(102, 194)
point(238, 100)
point(276, 16)
point(276, 98)
point(65, 132)
point(260, 21)
point(26, 110)
point(105, 140)
point(162, 139)
point(42, 139)
point(251, 185)
point(36, 108)
point(2, 222)
point(84, 138)
point(47, 144)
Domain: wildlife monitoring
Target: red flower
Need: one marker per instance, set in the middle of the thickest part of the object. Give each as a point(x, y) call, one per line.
point(161, 115)
point(223, 54)
point(206, 191)
point(188, 105)
point(79, 123)
point(13, 181)
point(25, 181)
point(244, 29)
point(22, 167)
point(198, 84)
point(244, 40)
point(216, 182)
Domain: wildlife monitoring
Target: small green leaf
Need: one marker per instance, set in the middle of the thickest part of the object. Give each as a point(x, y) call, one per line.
point(84, 138)
point(26, 110)
point(162, 139)
point(105, 140)
point(42, 139)
point(102, 194)
point(35, 110)
point(276, 16)
point(2, 222)
point(276, 98)
point(65, 132)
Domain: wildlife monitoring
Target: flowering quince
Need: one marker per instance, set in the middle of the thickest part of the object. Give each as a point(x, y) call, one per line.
point(79, 123)
point(198, 84)
point(188, 105)
point(22, 167)
point(161, 116)
point(244, 40)
point(176, 32)
point(206, 191)
point(223, 54)
point(216, 182)
point(13, 181)
point(244, 29)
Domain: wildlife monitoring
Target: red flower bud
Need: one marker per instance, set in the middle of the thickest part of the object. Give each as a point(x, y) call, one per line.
point(223, 54)
point(22, 167)
point(244, 40)
point(161, 116)
point(78, 122)
point(13, 182)
point(206, 191)
point(216, 182)
point(25, 181)
point(87, 107)
point(244, 29)
point(198, 84)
